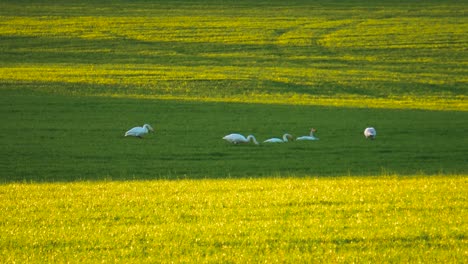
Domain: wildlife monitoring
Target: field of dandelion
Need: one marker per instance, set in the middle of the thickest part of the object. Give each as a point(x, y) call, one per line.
point(74, 76)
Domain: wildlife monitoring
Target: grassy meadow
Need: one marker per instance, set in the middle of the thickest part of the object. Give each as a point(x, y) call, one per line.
point(59, 138)
point(313, 220)
point(74, 76)
point(353, 53)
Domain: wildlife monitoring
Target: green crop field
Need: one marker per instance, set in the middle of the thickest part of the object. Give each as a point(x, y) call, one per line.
point(75, 75)
point(352, 53)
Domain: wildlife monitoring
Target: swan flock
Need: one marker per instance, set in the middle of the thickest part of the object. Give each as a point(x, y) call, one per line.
point(236, 138)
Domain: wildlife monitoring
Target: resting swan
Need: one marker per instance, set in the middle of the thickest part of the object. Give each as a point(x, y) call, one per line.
point(309, 137)
point(240, 139)
point(278, 140)
point(370, 133)
point(139, 131)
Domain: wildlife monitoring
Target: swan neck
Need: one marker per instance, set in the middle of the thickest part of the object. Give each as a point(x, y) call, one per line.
point(250, 137)
point(147, 128)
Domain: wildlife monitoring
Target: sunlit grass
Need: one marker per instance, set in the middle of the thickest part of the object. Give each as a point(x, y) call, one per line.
point(396, 33)
point(339, 220)
point(145, 75)
point(383, 55)
point(182, 82)
point(75, 75)
point(242, 29)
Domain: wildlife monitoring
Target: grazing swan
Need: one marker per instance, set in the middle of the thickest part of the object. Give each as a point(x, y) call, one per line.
point(278, 140)
point(370, 133)
point(310, 137)
point(139, 131)
point(240, 139)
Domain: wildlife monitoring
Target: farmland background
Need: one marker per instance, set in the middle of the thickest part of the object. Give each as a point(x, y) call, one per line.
point(74, 76)
point(381, 54)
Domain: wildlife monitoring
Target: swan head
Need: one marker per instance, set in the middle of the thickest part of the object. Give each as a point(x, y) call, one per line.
point(148, 127)
point(313, 130)
point(288, 137)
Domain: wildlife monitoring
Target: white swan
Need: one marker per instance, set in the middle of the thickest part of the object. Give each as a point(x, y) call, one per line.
point(139, 131)
point(240, 139)
point(310, 137)
point(370, 133)
point(279, 140)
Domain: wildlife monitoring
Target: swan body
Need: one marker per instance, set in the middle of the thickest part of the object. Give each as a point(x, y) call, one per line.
point(310, 136)
point(279, 140)
point(139, 131)
point(370, 133)
point(240, 139)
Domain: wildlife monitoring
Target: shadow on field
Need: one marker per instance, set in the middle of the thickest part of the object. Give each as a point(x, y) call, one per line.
point(49, 138)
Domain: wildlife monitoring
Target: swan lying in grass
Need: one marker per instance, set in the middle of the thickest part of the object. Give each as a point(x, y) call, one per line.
point(370, 133)
point(309, 137)
point(278, 140)
point(139, 131)
point(240, 139)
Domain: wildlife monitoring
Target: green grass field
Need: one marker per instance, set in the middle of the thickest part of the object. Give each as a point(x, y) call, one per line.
point(75, 76)
point(59, 138)
point(331, 220)
point(382, 54)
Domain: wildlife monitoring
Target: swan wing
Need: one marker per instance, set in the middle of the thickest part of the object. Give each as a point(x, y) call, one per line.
point(136, 132)
point(306, 138)
point(235, 138)
point(370, 132)
point(273, 140)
